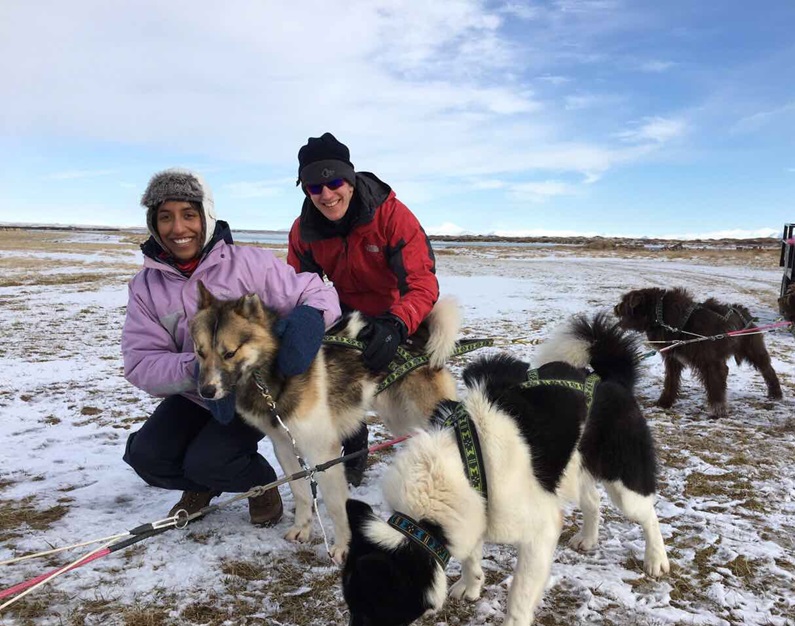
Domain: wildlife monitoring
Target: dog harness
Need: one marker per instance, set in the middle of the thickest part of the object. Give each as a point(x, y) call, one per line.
point(659, 321)
point(466, 436)
point(404, 361)
point(587, 388)
point(416, 533)
point(472, 457)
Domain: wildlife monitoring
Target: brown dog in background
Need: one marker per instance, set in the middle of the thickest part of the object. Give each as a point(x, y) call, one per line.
point(786, 303)
point(669, 315)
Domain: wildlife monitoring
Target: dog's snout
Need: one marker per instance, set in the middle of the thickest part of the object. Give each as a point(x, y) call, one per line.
point(207, 392)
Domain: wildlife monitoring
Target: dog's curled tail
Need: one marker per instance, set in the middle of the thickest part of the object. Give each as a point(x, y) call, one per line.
point(597, 344)
point(444, 325)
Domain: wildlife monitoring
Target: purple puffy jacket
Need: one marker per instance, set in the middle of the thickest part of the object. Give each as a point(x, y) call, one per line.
point(156, 343)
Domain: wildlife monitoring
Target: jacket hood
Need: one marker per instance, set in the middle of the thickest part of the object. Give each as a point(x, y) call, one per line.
point(179, 184)
point(370, 192)
point(154, 250)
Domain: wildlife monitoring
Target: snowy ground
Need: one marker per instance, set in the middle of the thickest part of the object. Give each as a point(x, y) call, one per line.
point(727, 488)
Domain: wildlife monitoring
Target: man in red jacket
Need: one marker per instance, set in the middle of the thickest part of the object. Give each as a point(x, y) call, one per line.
point(355, 231)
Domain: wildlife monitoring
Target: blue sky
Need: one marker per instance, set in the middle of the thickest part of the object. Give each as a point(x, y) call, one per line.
point(606, 117)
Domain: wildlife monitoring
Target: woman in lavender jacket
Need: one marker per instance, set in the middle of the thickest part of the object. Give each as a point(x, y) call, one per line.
point(189, 444)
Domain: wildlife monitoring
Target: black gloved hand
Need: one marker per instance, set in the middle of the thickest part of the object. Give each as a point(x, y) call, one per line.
point(381, 337)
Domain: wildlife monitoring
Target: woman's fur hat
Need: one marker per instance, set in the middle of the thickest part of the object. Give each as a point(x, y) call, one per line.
point(179, 184)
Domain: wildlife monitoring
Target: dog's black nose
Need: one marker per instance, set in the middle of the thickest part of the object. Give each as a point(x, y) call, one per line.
point(207, 392)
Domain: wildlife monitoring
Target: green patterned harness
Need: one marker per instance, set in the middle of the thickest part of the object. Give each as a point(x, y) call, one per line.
point(404, 362)
point(466, 437)
point(587, 388)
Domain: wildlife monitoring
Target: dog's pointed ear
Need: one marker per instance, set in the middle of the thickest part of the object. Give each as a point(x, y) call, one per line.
point(358, 513)
point(206, 299)
point(636, 298)
point(249, 306)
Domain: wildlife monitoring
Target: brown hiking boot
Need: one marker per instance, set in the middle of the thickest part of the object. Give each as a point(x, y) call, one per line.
point(192, 501)
point(267, 509)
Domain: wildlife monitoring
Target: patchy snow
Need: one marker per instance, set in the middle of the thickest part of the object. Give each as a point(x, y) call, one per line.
point(727, 489)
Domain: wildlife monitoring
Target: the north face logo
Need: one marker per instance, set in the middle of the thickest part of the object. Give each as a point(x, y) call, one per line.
point(371, 247)
point(327, 172)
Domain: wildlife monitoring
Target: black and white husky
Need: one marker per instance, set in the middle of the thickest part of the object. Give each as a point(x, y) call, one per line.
point(538, 444)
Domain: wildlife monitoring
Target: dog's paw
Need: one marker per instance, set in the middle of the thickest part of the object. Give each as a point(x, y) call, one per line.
point(665, 402)
point(299, 534)
point(470, 592)
point(338, 553)
point(655, 562)
point(582, 542)
point(718, 410)
point(511, 620)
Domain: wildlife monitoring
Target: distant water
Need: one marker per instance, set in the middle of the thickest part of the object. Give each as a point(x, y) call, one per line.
point(261, 236)
point(279, 237)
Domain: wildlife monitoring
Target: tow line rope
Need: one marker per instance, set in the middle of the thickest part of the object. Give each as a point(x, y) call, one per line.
point(179, 520)
point(756, 330)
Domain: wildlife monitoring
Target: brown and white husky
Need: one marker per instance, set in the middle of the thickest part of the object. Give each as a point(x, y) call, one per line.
point(234, 342)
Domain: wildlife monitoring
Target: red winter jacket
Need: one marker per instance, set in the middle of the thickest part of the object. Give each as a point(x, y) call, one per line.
point(378, 256)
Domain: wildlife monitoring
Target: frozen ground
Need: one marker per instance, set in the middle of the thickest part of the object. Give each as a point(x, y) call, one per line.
point(727, 488)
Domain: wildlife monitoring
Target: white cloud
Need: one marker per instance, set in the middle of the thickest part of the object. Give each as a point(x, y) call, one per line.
point(756, 121)
point(249, 84)
point(580, 101)
point(655, 129)
point(554, 80)
point(522, 11)
point(447, 228)
point(540, 191)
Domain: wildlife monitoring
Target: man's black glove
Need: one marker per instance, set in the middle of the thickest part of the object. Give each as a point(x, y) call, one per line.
point(381, 337)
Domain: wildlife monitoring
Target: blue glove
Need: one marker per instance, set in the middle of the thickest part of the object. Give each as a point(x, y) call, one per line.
point(382, 337)
point(222, 410)
point(301, 334)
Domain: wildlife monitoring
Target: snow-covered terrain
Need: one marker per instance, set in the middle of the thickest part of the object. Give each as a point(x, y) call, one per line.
point(726, 490)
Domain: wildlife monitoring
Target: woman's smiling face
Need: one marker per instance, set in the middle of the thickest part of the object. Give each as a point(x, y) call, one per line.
point(181, 229)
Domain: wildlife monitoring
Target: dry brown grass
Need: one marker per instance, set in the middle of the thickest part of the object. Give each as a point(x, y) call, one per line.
point(16, 515)
point(754, 258)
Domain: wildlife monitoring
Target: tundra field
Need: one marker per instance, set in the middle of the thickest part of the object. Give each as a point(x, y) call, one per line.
point(726, 487)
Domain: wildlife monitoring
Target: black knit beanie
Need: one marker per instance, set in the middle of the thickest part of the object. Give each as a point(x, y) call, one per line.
point(323, 159)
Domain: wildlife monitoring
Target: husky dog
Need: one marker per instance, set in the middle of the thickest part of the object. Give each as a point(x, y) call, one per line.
point(543, 439)
point(235, 344)
point(672, 315)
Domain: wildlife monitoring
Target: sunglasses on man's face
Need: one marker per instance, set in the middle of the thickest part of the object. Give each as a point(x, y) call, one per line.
point(318, 189)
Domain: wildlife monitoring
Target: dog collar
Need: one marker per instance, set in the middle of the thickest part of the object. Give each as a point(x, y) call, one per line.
point(414, 531)
point(466, 436)
point(587, 388)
